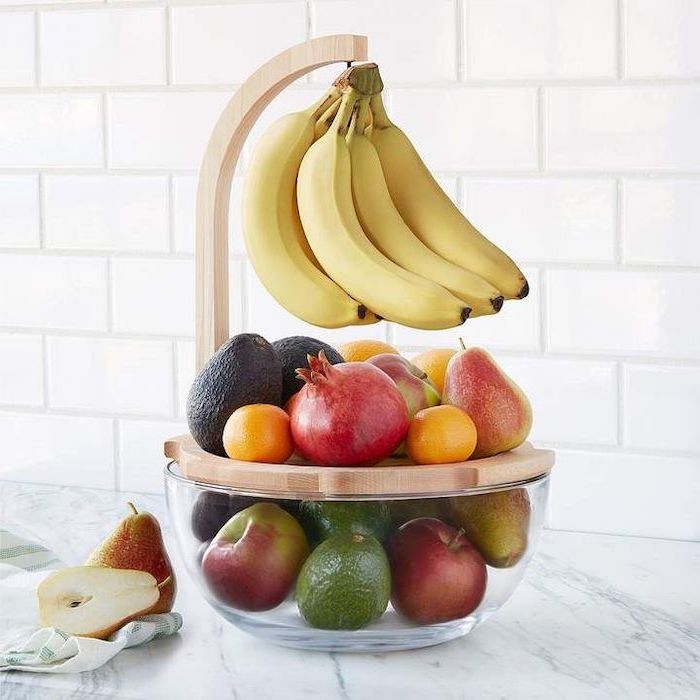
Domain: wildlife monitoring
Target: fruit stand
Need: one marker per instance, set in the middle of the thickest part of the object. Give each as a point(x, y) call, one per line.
point(428, 542)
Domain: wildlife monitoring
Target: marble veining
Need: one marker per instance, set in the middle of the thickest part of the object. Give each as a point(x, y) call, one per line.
point(597, 616)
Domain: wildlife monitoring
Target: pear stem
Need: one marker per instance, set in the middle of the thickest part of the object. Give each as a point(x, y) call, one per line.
point(133, 508)
point(165, 581)
point(452, 544)
point(461, 342)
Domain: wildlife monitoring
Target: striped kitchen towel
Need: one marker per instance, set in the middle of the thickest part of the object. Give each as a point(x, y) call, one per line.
point(23, 565)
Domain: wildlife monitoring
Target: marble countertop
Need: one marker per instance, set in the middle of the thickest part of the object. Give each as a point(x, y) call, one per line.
point(597, 616)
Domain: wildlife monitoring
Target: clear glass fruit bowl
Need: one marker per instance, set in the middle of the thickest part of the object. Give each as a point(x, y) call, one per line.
point(435, 568)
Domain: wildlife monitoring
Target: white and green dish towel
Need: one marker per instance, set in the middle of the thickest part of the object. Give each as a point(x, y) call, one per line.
point(23, 647)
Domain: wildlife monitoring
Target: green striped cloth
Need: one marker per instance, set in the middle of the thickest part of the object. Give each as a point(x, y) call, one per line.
point(23, 565)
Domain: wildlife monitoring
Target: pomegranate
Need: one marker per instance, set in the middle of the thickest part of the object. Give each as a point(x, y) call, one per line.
point(349, 414)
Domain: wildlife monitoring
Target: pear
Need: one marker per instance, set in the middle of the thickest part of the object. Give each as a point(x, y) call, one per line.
point(137, 543)
point(497, 405)
point(91, 601)
point(495, 523)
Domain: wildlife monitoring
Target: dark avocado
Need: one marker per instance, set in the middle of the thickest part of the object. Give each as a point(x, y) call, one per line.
point(244, 370)
point(292, 352)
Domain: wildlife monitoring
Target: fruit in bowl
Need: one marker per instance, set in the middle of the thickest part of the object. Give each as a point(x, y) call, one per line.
point(499, 408)
point(292, 352)
point(436, 591)
point(434, 363)
point(362, 350)
point(212, 509)
point(441, 434)
point(323, 519)
point(412, 508)
point(253, 561)
point(244, 370)
point(350, 414)
point(413, 383)
point(496, 524)
point(258, 432)
point(345, 583)
point(437, 575)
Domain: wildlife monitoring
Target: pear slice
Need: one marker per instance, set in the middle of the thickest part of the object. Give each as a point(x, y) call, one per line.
point(94, 601)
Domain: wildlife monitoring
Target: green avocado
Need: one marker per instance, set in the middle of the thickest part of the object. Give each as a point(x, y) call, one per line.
point(244, 370)
point(345, 583)
point(322, 519)
point(292, 352)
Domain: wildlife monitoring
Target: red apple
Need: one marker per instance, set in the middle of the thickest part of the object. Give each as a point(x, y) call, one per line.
point(254, 559)
point(413, 383)
point(436, 573)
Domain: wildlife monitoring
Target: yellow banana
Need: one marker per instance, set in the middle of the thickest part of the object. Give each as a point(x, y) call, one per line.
point(389, 233)
point(273, 235)
point(324, 194)
point(432, 215)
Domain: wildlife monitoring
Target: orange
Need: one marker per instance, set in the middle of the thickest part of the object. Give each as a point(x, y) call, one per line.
point(439, 435)
point(258, 432)
point(361, 350)
point(434, 364)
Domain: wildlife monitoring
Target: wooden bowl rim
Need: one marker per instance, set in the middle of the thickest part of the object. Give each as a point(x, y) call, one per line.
point(394, 477)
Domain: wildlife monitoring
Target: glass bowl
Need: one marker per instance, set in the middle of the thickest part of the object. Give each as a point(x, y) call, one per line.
point(511, 515)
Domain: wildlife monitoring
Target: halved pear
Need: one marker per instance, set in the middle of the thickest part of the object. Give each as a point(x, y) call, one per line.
point(94, 601)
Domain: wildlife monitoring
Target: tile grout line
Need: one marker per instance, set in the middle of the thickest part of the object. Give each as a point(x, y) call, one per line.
point(619, 223)
point(105, 131)
point(487, 173)
point(243, 306)
point(175, 381)
point(542, 130)
point(168, 46)
point(116, 454)
point(462, 30)
point(171, 218)
point(543, 307)
point(245, 268)
point(621, 390)
point(37, 49)
point(45, 370)
point(309, 26)
point(467, 83)
point(41, 192)
point(575, 446)
point(621, 39)
point(109, 297)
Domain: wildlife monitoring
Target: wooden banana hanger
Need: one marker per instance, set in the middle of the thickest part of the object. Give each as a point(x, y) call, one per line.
point(219, 164)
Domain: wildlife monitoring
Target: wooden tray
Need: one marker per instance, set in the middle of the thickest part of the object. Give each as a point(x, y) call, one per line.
point(392, 477)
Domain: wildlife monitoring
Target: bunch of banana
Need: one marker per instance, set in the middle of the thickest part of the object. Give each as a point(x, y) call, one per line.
point(344, 223)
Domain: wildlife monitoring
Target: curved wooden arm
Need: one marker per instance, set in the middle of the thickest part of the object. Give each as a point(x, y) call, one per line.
point(219, 163)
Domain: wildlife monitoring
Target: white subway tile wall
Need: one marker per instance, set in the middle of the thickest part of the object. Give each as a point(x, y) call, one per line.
point(566, 130)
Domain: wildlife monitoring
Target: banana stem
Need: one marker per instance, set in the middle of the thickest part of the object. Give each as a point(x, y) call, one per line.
point(319, 107)
point(341, 123)
point(326, 119)
point(380, 119)
point(363, 114)
point(364, 78)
